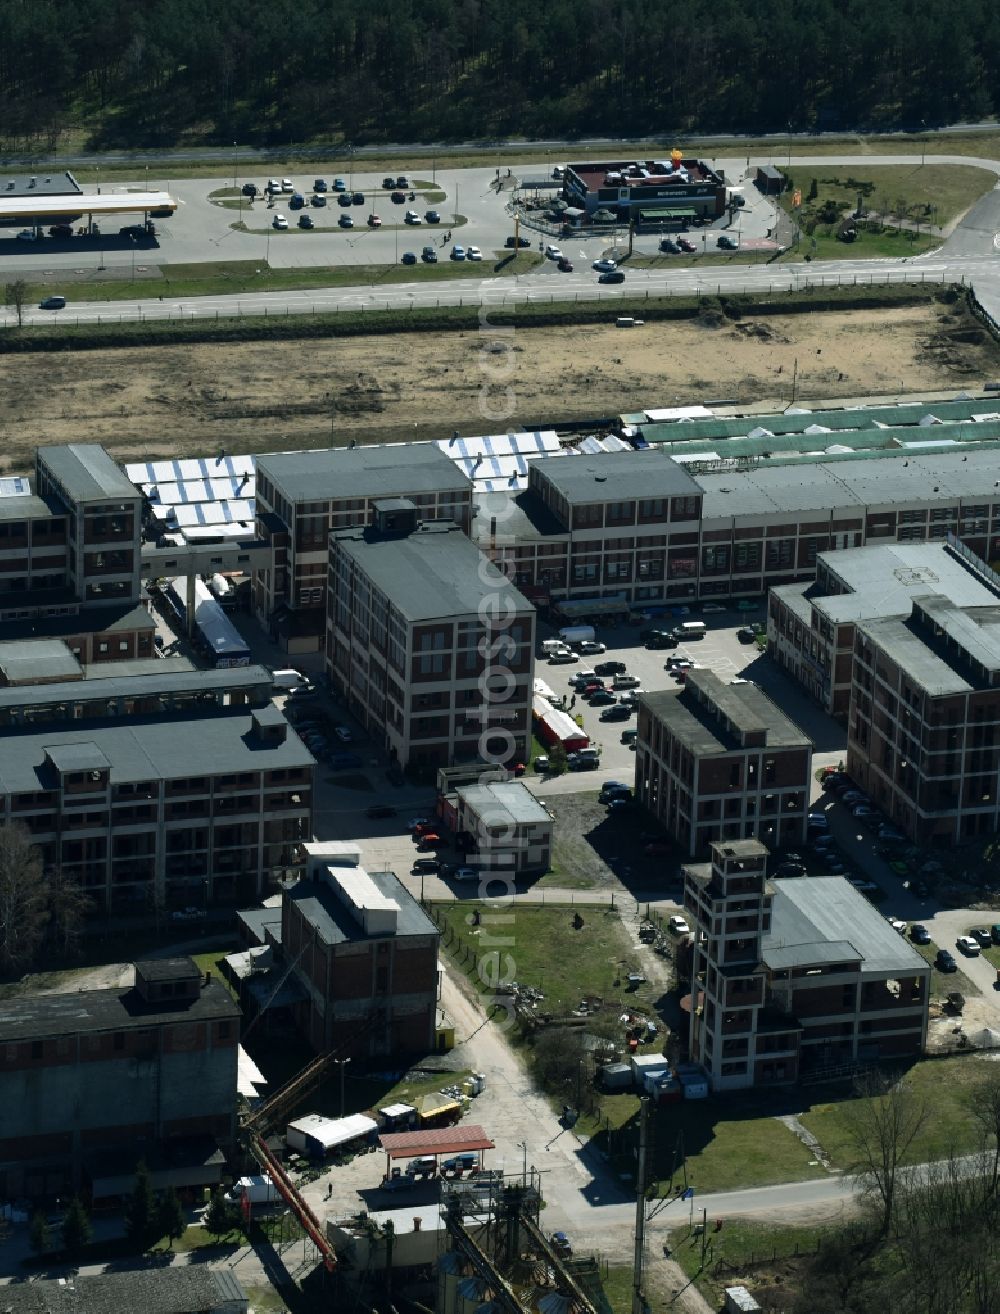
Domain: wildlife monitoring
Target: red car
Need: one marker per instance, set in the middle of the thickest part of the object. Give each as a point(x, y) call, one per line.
point(374, 221)
point(565, 265)
point(685, 245)
point(429, 840)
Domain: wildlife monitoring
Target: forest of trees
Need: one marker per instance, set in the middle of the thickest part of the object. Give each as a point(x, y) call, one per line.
point(281, 71)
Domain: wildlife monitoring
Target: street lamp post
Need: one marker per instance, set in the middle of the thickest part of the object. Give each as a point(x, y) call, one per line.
point(923, 142)
point(342, 1064)
point(523, 1147)
point(236, 164)
point(132, 244)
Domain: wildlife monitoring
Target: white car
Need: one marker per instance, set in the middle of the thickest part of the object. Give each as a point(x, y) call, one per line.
point(286, 185)
point(473, 253)
point(898, 925)
point(591, 647)
point(966, 945)
point(553, 253)
point(465, 874)
point(411, 217)
point(458, 253)
point(27, 235)
point(280, 221)
point(709, 607)
point(679, 926)
point(273, 185)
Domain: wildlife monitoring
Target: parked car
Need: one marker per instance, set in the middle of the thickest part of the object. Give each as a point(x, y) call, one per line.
point(402, 181)
point(411, 217)
point(619, 712)
point(430, 840)
point(746, 634)
point(612, 787)
point(408, 258)
point(669, 246)
point(520, 242)
point(968, 946)
point(286, 185)
point(358, 198)
point(465, 874)
point(388, 184)
point(346, 221)
point(726, 243)
point(319, 200)
point(609, 668)
point(919, 934)
point(398, 198)
point(473, 253)
point(319, 185)
point(678, 926)
point(432, 217)
point(249, 189)
point(945, 962)
point(791, 869)
point(296, 201)
point(982, 936)
point(458, 252)
point(429, 256)
point(660, 639)
point(344, 200)
point(686, 244)
point(279, 221)
point(591, 647)
point(339, 185)
point(374, 221)
point(560, 658)
point(305, 221)
point(378, 810)
point(602, 698)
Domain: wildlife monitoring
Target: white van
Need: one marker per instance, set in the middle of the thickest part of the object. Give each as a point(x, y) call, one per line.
point(691, 630)
point(288, 679)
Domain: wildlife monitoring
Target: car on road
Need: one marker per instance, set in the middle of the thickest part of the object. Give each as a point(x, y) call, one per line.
point(669, 246)
point(458, 253)
point(378, 810)
point(726, 243)
point(346, 221)
point(615, 276)
point(678, 926)
point(279, 221)
point(411, 217)
point(61, 230)
point(564, 265)
point(432, 217)
point(919, 933)
point(519, 242)
point(945, 961)
point(408, 258)
point(604, 266)
point(429, 256)
point(27, 235)
point(967, 945)
point(473, 253)
point(374, 221)
point(686, 244)
point(319, 185)
point(319, 200)
point(52, 303)
point(982, 937)
point(553, 252)
point(305, 221)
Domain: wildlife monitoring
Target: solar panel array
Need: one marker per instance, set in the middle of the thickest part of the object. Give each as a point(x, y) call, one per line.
point(198, 491)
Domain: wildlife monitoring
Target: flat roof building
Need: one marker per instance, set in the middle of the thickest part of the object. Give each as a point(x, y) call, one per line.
point(799, 976)
point(925, 697)
point(719, 762)
point(68, 1060)
point(302, 496)
point(509, 829)
point(646, 189)
point(181, 810)
point(416, 619)
point(811, 626)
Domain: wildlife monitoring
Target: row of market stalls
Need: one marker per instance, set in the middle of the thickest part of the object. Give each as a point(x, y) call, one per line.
point(552, 724)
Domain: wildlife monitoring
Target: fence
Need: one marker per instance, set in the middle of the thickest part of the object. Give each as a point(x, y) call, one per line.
point(982, 314)
point(794, 279)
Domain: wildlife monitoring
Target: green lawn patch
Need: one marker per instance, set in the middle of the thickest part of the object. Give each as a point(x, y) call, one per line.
point(197, 1237)
point(932, 193)
point(740, 1253)
point(211, 961)
point(823, 245)
point(944, 983)
point(540, 947)
point(946, 1085)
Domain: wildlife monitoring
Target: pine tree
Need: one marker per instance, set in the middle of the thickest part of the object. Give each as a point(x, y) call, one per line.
point(76, 1230)
point(218, 1215)
point(140, 1212)
point(40, 1238)
point(170, 1220)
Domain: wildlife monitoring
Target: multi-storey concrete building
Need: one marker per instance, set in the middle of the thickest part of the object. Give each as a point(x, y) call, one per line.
point(794, 975)
point(178, 809)
point(365, 955)
point(508, 829)
point(431, 645)
point(811, 627)
point(924, 725)
point(134, 1070)
point(717, 761)
point(302, 496)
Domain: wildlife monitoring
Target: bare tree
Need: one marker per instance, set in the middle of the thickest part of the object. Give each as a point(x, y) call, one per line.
point(68, 905)
point(15, 295)
point(885, 1121)
point(23, 899)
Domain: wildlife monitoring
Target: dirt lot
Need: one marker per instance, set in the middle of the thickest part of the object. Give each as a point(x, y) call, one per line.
point(262, 396)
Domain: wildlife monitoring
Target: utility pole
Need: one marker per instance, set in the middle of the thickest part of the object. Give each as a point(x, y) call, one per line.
point(342, 1064)
point(638, 1301)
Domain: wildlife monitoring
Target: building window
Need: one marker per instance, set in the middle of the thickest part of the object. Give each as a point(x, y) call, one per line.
point(119, 1040)
point(36, 1049)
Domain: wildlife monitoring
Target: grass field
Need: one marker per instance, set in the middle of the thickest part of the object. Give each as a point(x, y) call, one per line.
point(546, 951)
point(943, 983)
point(937, 192)
point(946, 1086)
point(742, 1249)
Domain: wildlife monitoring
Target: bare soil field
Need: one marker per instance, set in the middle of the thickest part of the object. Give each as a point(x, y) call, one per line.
point(266, 396)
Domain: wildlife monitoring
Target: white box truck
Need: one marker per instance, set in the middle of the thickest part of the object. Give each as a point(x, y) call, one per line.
point(259, 1191)
point(573, 634)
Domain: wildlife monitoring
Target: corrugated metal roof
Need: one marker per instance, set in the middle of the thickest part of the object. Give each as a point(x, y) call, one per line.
point(450, 1140)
